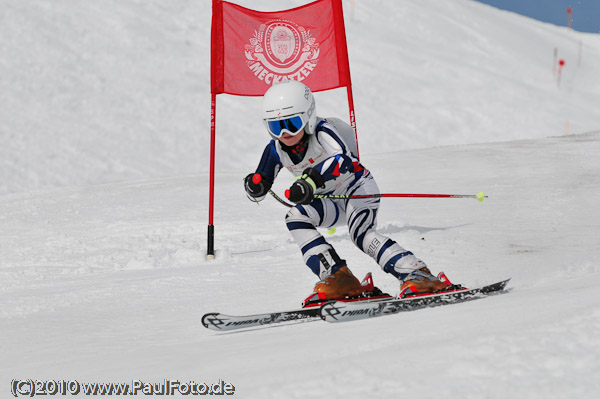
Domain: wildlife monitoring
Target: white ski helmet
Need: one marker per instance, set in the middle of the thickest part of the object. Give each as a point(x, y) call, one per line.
point(289, 107)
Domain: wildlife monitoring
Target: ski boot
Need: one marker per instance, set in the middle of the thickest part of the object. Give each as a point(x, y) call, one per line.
point(340, 285)
point(421, 281)
point(323, 290)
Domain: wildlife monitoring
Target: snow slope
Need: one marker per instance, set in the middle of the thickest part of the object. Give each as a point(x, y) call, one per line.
point(105, 280)
point(109, 282)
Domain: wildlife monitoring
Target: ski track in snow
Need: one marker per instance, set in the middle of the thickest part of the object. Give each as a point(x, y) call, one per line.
point(103, 205)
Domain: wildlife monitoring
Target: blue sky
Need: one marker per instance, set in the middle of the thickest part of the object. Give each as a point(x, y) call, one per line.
point(586, 13)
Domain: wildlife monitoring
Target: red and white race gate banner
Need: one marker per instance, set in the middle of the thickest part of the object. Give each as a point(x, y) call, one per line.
point(252, 50)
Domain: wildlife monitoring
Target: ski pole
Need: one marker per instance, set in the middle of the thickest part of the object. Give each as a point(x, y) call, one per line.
point(256, 179)
point(479, 196)
point(280, 200)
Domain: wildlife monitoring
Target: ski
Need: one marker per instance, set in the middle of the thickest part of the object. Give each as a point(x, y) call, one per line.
point(308, 312)
point(222, 322)
point(340, 311)
point(349, 309)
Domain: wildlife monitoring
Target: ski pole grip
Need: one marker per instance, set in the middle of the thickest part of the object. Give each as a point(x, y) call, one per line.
point(256, 179)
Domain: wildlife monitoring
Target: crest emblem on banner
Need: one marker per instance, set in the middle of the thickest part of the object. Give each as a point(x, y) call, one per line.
point(282, 42)
point(281, 50)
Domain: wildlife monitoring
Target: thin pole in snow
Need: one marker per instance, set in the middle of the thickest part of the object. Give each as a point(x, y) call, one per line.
point(210, 245)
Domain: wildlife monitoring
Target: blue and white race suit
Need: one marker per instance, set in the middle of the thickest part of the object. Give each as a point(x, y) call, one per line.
point(328, 153)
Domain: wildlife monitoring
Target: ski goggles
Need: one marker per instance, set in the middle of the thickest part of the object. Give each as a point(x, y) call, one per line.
point(292, 125)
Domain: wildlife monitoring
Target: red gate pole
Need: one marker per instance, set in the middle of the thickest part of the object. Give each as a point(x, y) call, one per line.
point(352, 116)
point(210, 245)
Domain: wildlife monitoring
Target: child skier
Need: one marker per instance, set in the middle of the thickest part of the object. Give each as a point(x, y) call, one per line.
point(313, 149)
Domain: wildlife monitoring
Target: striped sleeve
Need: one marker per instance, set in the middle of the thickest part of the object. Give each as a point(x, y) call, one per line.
point(269, 164)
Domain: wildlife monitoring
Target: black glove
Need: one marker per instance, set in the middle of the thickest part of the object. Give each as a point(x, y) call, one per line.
point(303, 190)
point(256, 185)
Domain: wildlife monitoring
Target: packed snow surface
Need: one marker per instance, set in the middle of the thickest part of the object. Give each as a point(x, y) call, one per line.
point(104, 119)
